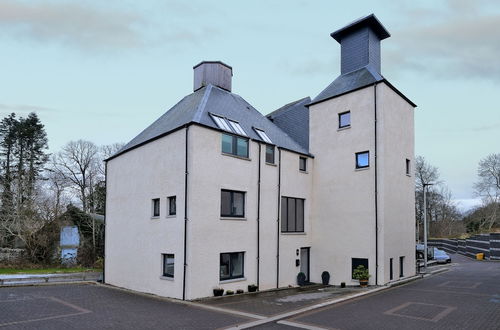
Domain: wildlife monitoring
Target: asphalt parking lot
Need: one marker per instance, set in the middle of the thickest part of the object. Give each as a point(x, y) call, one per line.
point(465, 297)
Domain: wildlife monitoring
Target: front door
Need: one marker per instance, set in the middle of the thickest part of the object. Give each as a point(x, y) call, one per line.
point(304, 262)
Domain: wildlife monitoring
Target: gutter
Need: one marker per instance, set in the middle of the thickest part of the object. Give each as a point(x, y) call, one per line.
point(376, 183)
point(258, 220)
point(185, 215)
point(278, 222)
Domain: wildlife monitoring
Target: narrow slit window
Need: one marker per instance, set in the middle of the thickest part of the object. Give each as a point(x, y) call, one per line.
point(303, 164)
point(408, 168)
point(269, 154)
point(263, 135)
point(155, 208)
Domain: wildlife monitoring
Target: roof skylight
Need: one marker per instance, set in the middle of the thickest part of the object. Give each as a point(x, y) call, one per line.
point(263, 135)
point(236, 127)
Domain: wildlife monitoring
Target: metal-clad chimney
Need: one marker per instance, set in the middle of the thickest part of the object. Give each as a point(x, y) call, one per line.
point(360, 44)
point(212, 72)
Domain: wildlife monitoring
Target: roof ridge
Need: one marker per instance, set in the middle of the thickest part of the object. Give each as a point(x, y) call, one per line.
point(203, 103)
point(287, 106)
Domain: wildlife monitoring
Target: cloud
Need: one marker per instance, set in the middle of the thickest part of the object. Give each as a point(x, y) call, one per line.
point(458, 42)
point(25, 108)
point(71, 24)
point(466, 204)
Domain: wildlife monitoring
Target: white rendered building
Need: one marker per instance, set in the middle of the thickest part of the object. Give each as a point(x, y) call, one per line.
point(214, 194)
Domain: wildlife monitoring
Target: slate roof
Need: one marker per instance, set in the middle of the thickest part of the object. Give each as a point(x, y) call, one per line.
point(293, 119)
point(370, 21)
point(196, 108)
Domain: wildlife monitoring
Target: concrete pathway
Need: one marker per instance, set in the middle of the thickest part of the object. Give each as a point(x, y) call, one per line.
point(30, 279)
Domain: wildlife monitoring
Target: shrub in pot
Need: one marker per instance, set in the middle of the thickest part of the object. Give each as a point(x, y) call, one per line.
point(361, 274)
point(301, 279)
point(229, 292)
point(239, 291)
point(342, 284)
point(252, 288)
point(218, 292)
point(325, 277)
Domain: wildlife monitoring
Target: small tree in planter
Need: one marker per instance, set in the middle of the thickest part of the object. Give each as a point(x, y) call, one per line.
point(325, 277)
point(361, 274)
point(252, 288)
point(229, 292)
point(301, 279)
point(218, 292)
point(239, 291)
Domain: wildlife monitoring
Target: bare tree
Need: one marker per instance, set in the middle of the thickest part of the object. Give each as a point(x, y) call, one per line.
point(77, 163)
point(488, 188)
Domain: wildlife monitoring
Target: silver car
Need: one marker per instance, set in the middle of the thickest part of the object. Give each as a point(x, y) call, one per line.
point(441, 257)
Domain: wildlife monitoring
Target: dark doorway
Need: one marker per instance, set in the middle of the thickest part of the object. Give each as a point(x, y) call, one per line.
point(304, 262)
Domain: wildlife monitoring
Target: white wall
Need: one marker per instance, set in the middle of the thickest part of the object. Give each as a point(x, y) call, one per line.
point(135, 241)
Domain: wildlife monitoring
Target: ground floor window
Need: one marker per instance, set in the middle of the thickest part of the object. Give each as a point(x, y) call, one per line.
point(401, 266)
point(168, 265)
point(356, 262)
point(231, 265)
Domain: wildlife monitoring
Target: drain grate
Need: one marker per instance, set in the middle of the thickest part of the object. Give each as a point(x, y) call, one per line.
point(421, 311)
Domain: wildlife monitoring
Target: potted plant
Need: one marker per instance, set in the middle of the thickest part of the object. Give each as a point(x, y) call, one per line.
point(361, 274)
point(301, 279)
point(218, 292)
point(342, 284)
point(325, 277)
point(239, 291)
point(229, 292)
point(252, 288)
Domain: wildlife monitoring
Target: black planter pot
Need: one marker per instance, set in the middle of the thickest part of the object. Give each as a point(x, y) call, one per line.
point(252, 288)
point(301, 279)
point(325, 278)
point(218, 292)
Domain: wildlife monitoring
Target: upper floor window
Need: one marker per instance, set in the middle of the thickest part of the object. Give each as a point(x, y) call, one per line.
point(269, 154)
point(234, 145)
point(292, 214)
point(345, 119)
point(408, 167)
point(155, 206)
point(172, 205)
point(303, 164)
point(232, 203)
point(362, 159)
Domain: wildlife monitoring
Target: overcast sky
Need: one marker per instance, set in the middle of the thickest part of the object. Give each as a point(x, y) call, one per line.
point(104, 70)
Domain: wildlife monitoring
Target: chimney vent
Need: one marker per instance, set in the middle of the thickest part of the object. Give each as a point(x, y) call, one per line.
point(360, 44)
point(212, 72)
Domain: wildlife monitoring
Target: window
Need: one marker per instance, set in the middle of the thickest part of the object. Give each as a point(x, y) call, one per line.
point(156, 207)
point(231, 265)
point(234, 145)
point(236, 127)
point(362, 159)
point(408, 168)
point(390, 269)
point(358, 261)
point(232, 204)
point(292, 215)
point(168, 265)
point(345, 119)
point(303, 164)
point(228, 124)
point(172, 207)
point(269, 154)
point(401, 266)
point(263, 135)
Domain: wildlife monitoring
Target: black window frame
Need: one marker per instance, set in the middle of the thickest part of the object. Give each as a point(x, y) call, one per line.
point(155, 207)
point(355, 262)
point(172, 199)
point(359, 154)
point(165, 257)
point(303, 160)
point(268, 148)
point(234, 145)
point(231, 203)
point(286, 226)
point(340, 119)
point(401, 266)
point(231, 276)
point(408, 166)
